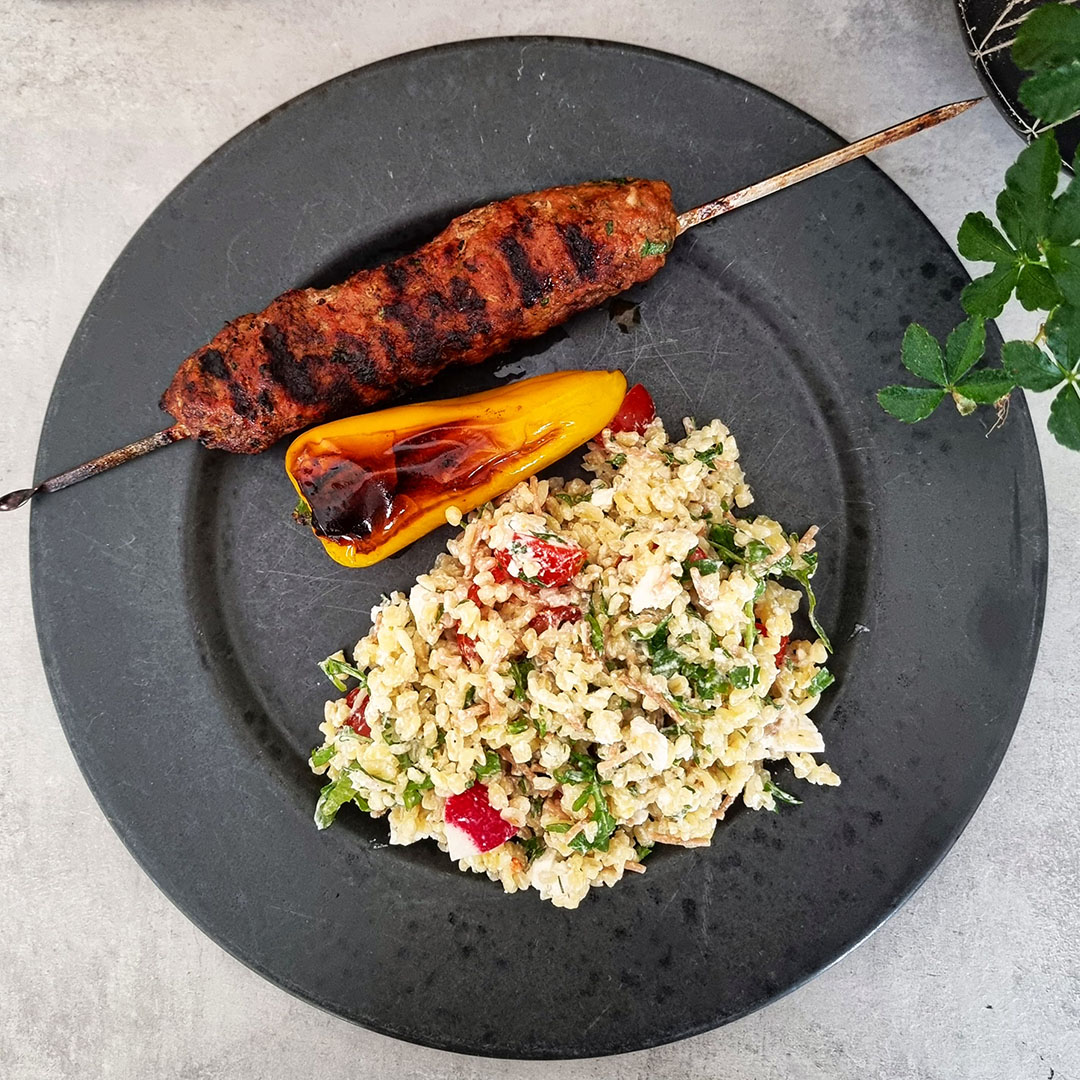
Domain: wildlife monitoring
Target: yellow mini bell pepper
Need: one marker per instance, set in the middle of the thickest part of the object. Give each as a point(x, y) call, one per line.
point(376, 482)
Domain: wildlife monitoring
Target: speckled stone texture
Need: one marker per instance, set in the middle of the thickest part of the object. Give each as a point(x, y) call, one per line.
point(104, 108)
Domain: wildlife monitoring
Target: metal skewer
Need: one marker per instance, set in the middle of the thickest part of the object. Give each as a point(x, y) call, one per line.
point(687, 220)
point(13, 500)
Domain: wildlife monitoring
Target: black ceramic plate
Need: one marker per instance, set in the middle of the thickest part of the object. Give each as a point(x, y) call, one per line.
point(990, 29)
point(181, 612)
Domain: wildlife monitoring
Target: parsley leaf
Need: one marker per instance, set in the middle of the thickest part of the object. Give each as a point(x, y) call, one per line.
point(654, 247)
point(333, 797)
point(802, 574)
point(910, 403)
point(414, 792)
point(519, 670)
point(821, 681)
point(1029, 366)
point(779, 795)
point(1064, 422)
point(337, 670)
point(491, 765)
point(921, 355)
point(321, 755)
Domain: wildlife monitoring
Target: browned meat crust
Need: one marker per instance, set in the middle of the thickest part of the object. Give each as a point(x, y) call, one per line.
point(498, 274)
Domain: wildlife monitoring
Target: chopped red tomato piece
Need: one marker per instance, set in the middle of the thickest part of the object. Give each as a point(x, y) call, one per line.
point(467, 647)
point(781, 650)
point(473, 825)
point(554, 616)
point(474, 594)
point(541, 561)
point(499, 574)
point(637, 411)
point(356, 719)
point(696, 556)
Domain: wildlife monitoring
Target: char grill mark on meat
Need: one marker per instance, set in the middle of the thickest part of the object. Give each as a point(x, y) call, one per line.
point(501, 273)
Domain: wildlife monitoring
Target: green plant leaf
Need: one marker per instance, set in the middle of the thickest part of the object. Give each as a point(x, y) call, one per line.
point(1048, 37)
point(910, 403)
point(1064, 422)
point(1036, 289)
point(986, 385)
point(987, 295)
point(921, 354)
point(964, 348)
point(1052, 95)
point(980, 240)
point(1029, 366)
point(1024, 206)
point(1065, 218)
point(1064, 263)
point(1063, 335)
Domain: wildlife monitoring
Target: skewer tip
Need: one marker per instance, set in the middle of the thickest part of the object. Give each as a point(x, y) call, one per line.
point(14, 499)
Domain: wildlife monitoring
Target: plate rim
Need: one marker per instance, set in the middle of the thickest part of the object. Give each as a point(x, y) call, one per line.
point(128, 837)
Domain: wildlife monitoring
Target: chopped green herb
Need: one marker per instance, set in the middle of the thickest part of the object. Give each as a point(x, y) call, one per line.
point(802, 574)
point(558, 827)
point(596, 634)
point(516, 727)
point(470, 697)
point(742, 678)
point(821, 681)
point(704, 566)
point(491, 765)
point(519, 670)
point(582, 770)
point(333, 797)
point(780, 795)
point(533, 845)
point(414, 792)
point(654, 247)
point(710, 455)
point(334, 669)
point(609, 227)
point(618, 461)
point(321, 755)
point(573, 500)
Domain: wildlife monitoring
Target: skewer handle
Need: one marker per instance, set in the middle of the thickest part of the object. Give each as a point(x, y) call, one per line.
point(13, 500)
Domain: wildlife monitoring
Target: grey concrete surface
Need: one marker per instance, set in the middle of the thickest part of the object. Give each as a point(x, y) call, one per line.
point(104, 106)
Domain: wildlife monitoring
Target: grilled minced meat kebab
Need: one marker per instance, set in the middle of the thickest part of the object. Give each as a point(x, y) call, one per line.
point(502, 273)
point(499, 274)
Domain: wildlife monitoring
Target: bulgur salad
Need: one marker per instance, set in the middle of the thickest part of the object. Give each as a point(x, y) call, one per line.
point(592, 669)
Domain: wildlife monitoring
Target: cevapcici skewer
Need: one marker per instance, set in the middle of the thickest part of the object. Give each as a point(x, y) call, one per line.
point(502, 273)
